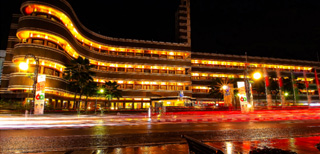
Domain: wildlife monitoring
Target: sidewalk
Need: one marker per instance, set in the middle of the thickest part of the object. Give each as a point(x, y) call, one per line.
point(237, 116)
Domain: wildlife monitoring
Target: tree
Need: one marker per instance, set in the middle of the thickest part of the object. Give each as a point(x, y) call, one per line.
point(90, 90)
point(274, 86)
point(111, 91)
point(215, 88)
point(287, 85)
point(79, 75)
point(259, 87)
point(216, 85)
point(300, 85)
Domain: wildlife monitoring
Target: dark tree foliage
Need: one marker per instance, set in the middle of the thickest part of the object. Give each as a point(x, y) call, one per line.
point(259, 87)
point(90, 90)
point(216, 85)
point(111, 91)
point(79, 75)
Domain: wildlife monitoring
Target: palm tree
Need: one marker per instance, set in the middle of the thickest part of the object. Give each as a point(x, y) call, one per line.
point(216, 87)
point(259, 87)
point(90, 90)
point(111, 91)
point(79, 75)
point(274, 85)
point(73, 87)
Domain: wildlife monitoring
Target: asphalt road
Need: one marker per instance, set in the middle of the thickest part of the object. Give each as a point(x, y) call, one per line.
point(102, 137)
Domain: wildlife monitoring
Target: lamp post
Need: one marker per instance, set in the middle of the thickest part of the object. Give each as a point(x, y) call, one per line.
point(24, 66)
point(98, 92)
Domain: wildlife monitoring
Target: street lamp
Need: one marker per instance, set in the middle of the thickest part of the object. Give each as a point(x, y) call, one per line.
point(101, 91)
point(224, 87)
point(286, 94)
point(24, 66)
point(257, 75)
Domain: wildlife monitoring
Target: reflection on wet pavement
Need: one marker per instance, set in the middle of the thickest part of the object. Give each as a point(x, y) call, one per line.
point(301, 145)
point(229, 137)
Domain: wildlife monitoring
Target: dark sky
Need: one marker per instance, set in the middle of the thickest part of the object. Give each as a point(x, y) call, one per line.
point(268, 28)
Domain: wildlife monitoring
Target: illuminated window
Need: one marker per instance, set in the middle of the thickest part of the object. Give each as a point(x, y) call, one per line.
point(155, 87)
point(121, 69)
point(164, 71)
point(138, 86)
point(146, 105)
point(138, 70)
point(179, 72)
point(163, 56)
point(130, 54)
point(163, 87)
point(179, 87)
point(155, 55)
point(102, 67)
point(129, 105)
point(129, 86)
point(137, 105)
point(147, 70)
point(41, 42)
point(139, 54)
point(171, 87)
point(112, 69)
point(120, 105)
point(51, 44)
point(130, 70)
point(155, 71)
point(113, 53)
point(146, 87)
point(122, 53)
point(48, 71)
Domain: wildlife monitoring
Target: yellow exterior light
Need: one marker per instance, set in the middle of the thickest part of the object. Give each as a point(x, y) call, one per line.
point(286, 94)
point(101, 91)
point(257, 75)
point(224, 87)
point(23, 66)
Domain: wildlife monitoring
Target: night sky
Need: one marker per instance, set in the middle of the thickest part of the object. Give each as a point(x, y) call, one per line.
point(268, 28)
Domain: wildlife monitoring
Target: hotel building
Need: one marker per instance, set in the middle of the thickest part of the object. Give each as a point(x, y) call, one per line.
point(146, 71)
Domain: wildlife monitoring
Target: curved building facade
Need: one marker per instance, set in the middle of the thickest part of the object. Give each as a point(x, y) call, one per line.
point(51, 31)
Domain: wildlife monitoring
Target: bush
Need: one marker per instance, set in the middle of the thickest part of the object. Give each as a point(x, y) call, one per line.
point(14, 105)
point(266, 150)
point(48, 107)
point(318, 146)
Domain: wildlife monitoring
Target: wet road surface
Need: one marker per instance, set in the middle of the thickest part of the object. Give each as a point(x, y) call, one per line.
point(164, 138)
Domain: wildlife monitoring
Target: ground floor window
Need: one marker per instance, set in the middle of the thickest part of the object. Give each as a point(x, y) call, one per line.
point(65, 104)
point(146, 105)
point(129, 105)
point(71, 104)
point(120, 105)
point(137, 105)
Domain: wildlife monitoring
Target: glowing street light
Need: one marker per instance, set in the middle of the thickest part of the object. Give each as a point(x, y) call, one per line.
point(224, 87)
point(286, 94)
point(23, 66)
point(101, 90)
point(257, 75)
